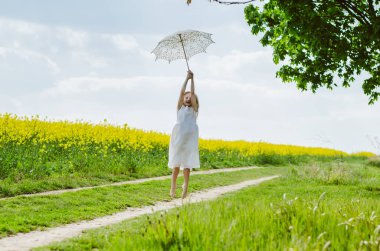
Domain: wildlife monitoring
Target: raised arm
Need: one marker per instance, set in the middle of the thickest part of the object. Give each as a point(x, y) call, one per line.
point(182, 93)
point(192, 89)
point(193, 98)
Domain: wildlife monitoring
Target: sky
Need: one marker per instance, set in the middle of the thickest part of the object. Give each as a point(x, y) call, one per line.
point(91, 60)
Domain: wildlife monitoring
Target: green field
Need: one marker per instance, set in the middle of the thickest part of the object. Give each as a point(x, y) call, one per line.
point(40, 155)
point(326, 199)
point(319, 206)
point(24, 214)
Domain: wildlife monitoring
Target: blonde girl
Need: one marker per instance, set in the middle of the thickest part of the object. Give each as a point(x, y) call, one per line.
point(183, 148)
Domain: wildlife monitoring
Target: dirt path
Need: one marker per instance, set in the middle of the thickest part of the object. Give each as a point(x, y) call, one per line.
point(133, 182)
point(34, 239)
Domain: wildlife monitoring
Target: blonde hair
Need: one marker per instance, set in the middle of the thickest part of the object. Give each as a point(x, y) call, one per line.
point(196, 97)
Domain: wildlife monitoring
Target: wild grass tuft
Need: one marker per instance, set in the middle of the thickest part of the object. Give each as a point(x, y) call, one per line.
point(374, 161)
point(320, 207)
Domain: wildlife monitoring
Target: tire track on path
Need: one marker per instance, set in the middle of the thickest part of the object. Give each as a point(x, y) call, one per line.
point(54, 192)
point(21, 242)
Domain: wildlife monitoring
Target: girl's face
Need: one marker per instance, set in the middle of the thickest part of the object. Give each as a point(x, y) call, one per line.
point(187, 99)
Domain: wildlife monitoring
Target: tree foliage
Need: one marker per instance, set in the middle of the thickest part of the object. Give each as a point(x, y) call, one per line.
point(322, 42)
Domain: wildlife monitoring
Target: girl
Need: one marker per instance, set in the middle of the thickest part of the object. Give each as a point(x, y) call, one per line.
point(183, 148)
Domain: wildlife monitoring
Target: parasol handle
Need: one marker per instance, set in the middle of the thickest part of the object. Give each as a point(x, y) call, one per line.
point(180, 38)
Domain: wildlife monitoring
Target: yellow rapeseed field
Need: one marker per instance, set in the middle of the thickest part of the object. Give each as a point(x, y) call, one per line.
point(106, 137)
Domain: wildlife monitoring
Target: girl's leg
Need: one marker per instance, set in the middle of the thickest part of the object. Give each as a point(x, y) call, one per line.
point(186, 175)
point(174, 181)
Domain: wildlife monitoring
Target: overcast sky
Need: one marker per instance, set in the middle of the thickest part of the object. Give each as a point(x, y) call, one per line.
point(91, 60)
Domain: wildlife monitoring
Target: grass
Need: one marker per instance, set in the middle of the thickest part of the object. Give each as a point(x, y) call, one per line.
point(324, 206)
point(152, 166)
point(112, 171)
point(9, 188)
point(24, 214)
point(374, 161)
point(40, 155)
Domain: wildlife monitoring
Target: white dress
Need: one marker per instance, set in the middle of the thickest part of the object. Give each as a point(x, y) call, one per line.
point(183, 148)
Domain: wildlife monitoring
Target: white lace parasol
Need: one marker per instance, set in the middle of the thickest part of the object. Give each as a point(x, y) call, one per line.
point(182, 45)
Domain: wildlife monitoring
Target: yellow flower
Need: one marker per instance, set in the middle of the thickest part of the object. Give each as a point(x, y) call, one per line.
point(105, 138)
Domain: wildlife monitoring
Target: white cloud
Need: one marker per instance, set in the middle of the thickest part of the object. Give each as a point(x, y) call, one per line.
point(21, 27)
point(76, 74)
point(73, 38)
point(252, 67)
point(122, 41)
point(86, 85)
point(29, 56)
point(229, 64)
point(34, 54)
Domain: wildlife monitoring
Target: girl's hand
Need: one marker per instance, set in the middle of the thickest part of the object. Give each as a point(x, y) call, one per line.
point(190, 74)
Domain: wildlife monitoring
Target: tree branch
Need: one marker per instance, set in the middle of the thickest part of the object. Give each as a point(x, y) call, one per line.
point(372, 11)
point(349, 10)
point(358, 12)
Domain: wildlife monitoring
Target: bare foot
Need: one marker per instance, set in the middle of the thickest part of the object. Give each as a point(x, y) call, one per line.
point(184, 191)
point(172, 192)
